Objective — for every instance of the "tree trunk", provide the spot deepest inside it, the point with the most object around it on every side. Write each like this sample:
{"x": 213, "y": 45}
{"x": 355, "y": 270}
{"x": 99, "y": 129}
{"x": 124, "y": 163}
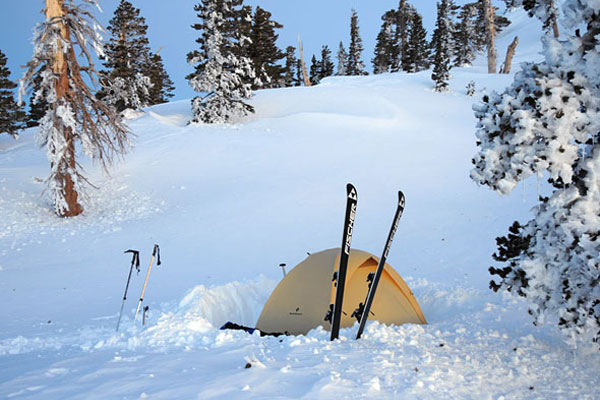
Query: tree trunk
{"x": 490, "y": 36}
{"x": 510, "y": 52}
{"x": 555, "y": 29}
{"x": 59, "y": 65}
{"x": 304, "y": 73}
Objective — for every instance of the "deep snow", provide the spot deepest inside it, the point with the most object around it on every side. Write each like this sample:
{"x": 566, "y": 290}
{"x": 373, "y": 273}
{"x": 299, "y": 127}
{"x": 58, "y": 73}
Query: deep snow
{"x": 227, "y": 204}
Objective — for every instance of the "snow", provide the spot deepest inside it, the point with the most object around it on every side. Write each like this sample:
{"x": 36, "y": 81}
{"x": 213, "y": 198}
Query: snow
{"x": 228, "y": 204}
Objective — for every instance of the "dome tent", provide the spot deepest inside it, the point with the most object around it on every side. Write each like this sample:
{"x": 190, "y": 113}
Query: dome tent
{"x": 301, "y": 300}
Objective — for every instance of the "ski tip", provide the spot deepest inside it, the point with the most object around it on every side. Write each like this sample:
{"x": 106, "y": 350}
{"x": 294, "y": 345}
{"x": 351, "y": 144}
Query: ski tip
{"x": 401, "y": 199}
{"x": 351, "y": 190}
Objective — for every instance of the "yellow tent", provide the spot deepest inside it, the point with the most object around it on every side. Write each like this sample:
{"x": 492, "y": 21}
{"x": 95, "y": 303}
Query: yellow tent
{"x": 301, "y": 300}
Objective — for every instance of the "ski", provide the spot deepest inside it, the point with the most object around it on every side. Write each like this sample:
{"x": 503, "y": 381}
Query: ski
{"x": 340, "y": 275}
{"x": 363, "y": 310}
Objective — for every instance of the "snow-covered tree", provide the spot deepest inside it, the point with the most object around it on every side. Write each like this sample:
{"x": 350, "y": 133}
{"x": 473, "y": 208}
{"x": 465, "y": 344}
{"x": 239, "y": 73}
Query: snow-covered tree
{"x": 342, "y": 61}
{"x": 468, "y": 38}
{"x": 417, "y": 52}
{"x": 74, "y": 114}
{"x": 443, "y": 44}
{"x": 12, "y": 116}
{"x": 289, "y": 70}
{"x": 126, "y": 81}
{"x": 355, "y": 65}
{"x": 548, "y": 122}
{"x": 221, "y": 74}
{"x": 263, "y": 50}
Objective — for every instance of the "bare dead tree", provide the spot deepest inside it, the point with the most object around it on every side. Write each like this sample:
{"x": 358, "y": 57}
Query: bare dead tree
{"x": 490, "y": 36}
{"x": 510, "y": 52}
{"x": 304, "y": 73}
{"x": 74, "y": 114}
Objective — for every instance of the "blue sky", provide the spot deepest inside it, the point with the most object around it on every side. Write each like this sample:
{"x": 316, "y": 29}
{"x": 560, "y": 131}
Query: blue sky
{"x": 317, "y": 22}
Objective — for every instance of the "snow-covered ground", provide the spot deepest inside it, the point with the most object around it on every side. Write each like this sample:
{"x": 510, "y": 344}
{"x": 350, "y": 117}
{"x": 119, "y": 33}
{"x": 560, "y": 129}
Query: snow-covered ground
{"x": 227, "y": 204}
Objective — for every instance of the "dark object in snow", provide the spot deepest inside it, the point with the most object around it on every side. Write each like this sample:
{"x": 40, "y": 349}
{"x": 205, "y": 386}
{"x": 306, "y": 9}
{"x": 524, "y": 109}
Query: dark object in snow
{"x": 351, "y": 201}
{"x": 248, "y": 365}
{"x": 144, "y": 314}
{"x": 237, "y": 327}
{"x": 135, "y": 261}
{"x": 155, "y": 254}
{"x": 364, "y": 313}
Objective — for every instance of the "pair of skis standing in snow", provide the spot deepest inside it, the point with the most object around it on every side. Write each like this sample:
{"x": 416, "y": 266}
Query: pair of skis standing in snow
{"x": 363, "y": 310}
{"x": 135, "y": 261}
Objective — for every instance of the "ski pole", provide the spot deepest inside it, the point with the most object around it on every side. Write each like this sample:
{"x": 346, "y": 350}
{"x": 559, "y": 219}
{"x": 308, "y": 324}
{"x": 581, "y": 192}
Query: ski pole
{"x": 135, "y": 260}
{"x": 282, "y": 266}
{"x": 155, "y": 253}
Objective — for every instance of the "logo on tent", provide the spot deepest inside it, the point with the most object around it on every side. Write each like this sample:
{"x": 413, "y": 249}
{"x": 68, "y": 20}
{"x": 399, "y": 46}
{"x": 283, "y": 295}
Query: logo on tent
{"x": 297, "y": 312}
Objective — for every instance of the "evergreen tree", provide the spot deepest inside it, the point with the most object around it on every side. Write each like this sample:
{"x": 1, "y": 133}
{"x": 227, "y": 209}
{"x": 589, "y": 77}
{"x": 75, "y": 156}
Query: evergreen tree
{"x": 125, "y": 83}
{"x": 12, "y": 116}
{"x": 263, "y": 50}
{"x": 315, "y": 71}
{"x": 342, "y": 57}
{"x": 470, "y": 35}
{"x": 37, "y": 103}
{"x": 443, "y": 45}
{"x": 355, "y": 65}
{"x": 73, "y": 115}
{"x": 417, "y": 52}
{"x": 162, "y": 85}
{"x": 299, "y": 74}
{"x": 400, "y": 57}
{"x": 291, "y": 62}
{"x": 547, "y": 122}
{"x": 221, "y": 74}
{"x": 326, "y": 66}
{"x": 386, "y": 46}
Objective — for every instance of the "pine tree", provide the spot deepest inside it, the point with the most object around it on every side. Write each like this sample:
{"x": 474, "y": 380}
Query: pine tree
{"x": 74, "y": 114}
{"x": 417, "y": 52}
{"x": 291, "y": 62}
{"x": 12, "y": 116}
{"x": 299, "y": 74}
{"x": 37, "y": 103}
{"x": 386, "y": 52}
{"x": 355, "y": 65}
{"x": 443, "y": 45}
{"x": 125, "y": 83}
{"x": 263, "y": 50}
{"x": 400, "y": 57}
{"x": 162, "y": 85}
{"x": 221, "y": 74}
{"x": 469, "y": 37}
{"x": 326, "y": 66}
{"x": 315, "y": 71}
{"x": 342, "y": 58}
{"x": 547, "y": 122}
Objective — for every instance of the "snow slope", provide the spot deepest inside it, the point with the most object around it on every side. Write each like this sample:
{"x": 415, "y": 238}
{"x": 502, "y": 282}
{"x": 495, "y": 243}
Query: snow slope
{"x": 227, "y": 204}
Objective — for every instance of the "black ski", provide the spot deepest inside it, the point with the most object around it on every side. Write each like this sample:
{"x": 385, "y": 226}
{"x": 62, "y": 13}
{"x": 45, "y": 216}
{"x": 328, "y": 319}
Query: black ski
{"x": 340, "y": 276}
{"x": 363, "y": 310}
